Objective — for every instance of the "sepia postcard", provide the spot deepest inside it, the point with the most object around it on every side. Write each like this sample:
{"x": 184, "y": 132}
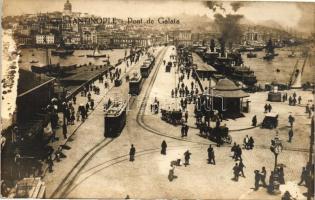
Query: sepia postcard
{"x": 170, "y": 99}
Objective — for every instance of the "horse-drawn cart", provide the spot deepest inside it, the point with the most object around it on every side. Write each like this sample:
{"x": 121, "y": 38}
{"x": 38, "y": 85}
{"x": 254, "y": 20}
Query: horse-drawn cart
{"x": 172, "y": 117}
{"x": 220, "y": 134}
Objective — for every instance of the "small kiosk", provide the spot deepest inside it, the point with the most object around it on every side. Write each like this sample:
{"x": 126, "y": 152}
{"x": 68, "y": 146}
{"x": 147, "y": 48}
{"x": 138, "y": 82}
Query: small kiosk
{"x": 274, "y": 95}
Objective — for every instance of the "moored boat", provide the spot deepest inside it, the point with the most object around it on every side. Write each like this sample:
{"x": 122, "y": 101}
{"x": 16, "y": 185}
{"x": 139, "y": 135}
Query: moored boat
{"x": 251, "y": 55}
{"x": 96, "y": 54}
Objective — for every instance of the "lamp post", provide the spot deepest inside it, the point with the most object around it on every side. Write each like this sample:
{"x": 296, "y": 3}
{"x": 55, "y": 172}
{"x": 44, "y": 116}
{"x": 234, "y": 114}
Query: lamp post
{"x": 276, "y": 148}
{"x": 310, "y": 189}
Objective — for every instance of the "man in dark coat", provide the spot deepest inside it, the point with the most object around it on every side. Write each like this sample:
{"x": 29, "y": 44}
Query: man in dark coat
{"x": 269, "y": 108}
{"x": 186, "y": 130}
{"x": 236, "y": 172}
{"x": 257, "y": 179}
{"x": 263, "y": 175}
{"x": 254, "y": 121}
{"x": 182, "y": 130}
{"x": 132, "y": 153}
{"x": 187, "y": 157}
{"x": 211, "y": 158}
{"x": 92, "y": 104}
{"x": 304, "y": 176}
{"x": 291, "y": 120}
{"x": 238, "y": 152}
{"x": 186, "y": 116}
{"x": 233, "y": 149}
{"x": 163, "y": 146}
{"x": 290, "y": 135}
{"x": 241, "y": 167}
{"x": 64, "y": 130}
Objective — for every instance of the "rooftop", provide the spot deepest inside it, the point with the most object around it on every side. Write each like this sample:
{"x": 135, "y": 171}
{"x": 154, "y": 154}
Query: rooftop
{"x": 201, "y": 66}
{"x": 227, "y": 88}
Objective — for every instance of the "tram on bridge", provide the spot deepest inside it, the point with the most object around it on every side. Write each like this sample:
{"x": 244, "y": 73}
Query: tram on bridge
{"x": 115, "y": 119}
{"x": 135, "y": 84}
{"x": 147, "y": 66}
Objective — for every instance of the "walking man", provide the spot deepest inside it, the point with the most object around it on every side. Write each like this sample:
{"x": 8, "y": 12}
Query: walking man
{"x": 257, "y": 178}
{"x": 132, "y": 153}
{"x": 236, "y": 172}
{"x": 211, "y": 155}
{"x": 241, "y": 167}
{"x": 186, "y": 116}
{"x": 233, "y": 149}
{"x": 269, "y": 108}
{"x": 182, "y": 130}
{"x": 290, "y": 135}
{"x": 187, "y": 157}
{"x": 186, "y": 130}
{"x": 64, "y": 130}
{"x": 254, "y": 121}
{"x": 163, "y": 146}
{"x": 238, "y": 153}
{"x": 291, "y": 120}
{"x": 263, "y": 175}
{"x": 303, "y": 176}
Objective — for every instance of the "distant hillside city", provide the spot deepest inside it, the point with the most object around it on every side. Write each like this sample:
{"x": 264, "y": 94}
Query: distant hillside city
{"x": 54, "y": 29}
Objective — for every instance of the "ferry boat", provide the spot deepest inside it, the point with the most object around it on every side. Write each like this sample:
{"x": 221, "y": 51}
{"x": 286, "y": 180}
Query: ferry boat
{"x": 251, "y": 55}
{"x": 62, "y": 52}
{"x": 270, "y": 53}
{"x": 53, "y": 69}
{"x": 115, "y": 119}
{"x": 244, "y": 74}
{"x": 96, "y": 54}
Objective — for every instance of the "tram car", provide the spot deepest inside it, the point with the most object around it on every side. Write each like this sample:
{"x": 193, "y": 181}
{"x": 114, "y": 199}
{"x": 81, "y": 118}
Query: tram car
{"x": 135, "y": 84}
{"x": 147, "y": 66}
{"x": 145, "y": 70}
{"x": 168, "y": 67}
{"x": 115, "y": 119}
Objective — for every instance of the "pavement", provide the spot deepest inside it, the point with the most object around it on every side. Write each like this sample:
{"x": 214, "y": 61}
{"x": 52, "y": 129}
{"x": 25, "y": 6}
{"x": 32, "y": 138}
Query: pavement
{"x": 98, "y": 167}
{"x": 96, "y": 115}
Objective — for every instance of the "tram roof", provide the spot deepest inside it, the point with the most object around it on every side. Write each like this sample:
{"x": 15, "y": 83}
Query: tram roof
{"x": 135, "y": 77}
{"x": 115, "y": 109}
{"x": 202, "y": 66}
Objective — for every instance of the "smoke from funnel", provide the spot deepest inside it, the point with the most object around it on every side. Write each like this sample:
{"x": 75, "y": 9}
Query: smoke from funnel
{"x": 213, "y": 5}
{"x": 236, "y": 5}
{"x": 229, "y": 27}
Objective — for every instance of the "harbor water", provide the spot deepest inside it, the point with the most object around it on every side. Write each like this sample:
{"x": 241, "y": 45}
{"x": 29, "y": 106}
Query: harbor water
{"x": 281, "y": 67}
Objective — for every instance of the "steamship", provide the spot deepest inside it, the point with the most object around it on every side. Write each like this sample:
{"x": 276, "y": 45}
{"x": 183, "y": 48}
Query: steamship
{"x": 229, "y": 64}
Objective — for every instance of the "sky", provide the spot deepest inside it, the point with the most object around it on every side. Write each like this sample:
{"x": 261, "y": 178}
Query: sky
{"x": 288, "y": 14}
